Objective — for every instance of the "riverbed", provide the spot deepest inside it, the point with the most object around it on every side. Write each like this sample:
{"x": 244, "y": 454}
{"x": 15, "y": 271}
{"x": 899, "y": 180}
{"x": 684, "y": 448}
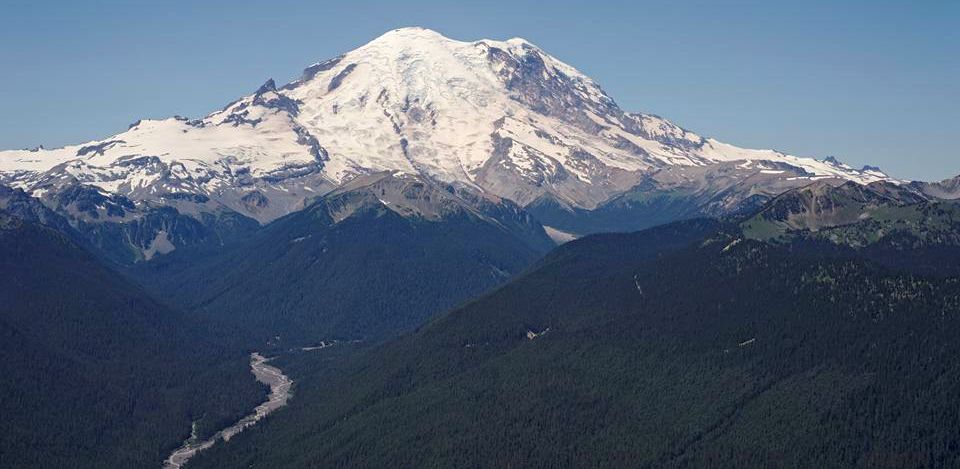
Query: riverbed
{"x": 279, "y": 395}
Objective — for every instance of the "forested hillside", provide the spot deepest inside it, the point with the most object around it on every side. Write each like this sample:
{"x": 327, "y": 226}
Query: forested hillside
{"x": 96, "y": 373}
{"x": 681, "y": 346}
{"x": 353, "y": 267}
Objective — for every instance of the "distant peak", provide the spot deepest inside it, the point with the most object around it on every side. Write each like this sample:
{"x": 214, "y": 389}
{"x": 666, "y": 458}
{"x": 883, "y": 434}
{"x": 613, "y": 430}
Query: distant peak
{"x": 519, "y": 41}
{"x": 408, "y": 33}
{"x": 832, "y": 160}
{"x": 413, "y": 30}
{"x": 415, "y": 37}
{"x": 268, "y": 86}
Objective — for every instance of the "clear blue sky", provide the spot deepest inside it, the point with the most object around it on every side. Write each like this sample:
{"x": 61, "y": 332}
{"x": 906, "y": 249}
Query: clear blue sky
{"x": 871, "y": 82}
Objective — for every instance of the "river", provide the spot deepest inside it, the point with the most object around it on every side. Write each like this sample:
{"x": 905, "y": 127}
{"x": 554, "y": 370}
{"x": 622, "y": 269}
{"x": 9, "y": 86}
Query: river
{"x": 279, "y": 394}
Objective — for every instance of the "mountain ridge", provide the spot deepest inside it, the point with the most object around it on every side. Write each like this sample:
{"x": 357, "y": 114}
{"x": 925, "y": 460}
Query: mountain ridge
{"x": 501, "y": 116}
{"x": 367, "y": 261}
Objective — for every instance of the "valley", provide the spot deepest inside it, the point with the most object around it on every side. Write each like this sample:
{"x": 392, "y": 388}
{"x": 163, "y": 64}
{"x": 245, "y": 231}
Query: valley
{"x": 781, "y": 344}
{"x": 433, "y": 252}
{"x": 280, "y": 386}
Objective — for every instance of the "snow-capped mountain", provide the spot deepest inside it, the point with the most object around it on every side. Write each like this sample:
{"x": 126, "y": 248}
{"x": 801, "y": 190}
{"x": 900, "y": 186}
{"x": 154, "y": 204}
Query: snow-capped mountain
{"x": 503, "y": 117}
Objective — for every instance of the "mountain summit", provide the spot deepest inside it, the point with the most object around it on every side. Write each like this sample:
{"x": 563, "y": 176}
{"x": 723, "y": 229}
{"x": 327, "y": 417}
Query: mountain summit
{"x": 503, "y": 118}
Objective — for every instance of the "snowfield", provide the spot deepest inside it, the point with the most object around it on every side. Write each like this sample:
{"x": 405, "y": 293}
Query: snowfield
{"x": 502, "y": 117}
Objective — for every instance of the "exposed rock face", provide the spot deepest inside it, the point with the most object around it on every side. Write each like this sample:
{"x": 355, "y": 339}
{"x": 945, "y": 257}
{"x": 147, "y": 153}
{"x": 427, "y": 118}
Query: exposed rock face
{"x": 858, "y": 215}
{"x": 674, "y": 193}
{"x": 947, "y": 189}
{"x": 415, "y": 197}
{"x": 822, "y": 205}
